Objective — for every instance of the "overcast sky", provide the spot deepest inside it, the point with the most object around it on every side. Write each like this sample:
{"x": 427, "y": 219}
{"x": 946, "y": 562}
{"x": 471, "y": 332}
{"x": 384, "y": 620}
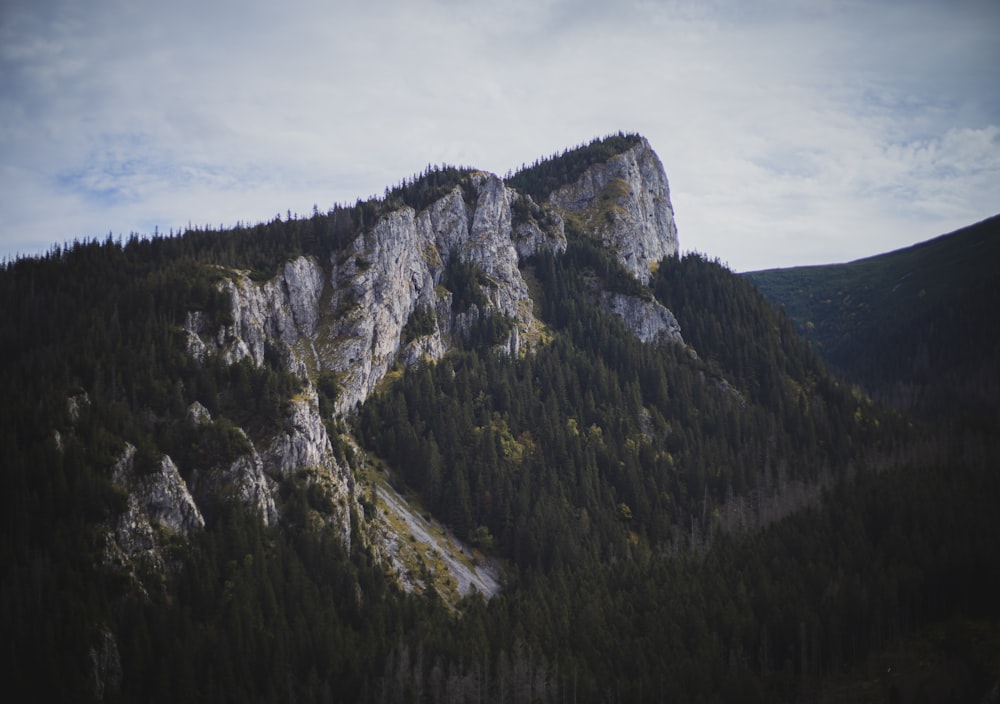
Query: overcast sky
{"x": 792, "y": 132}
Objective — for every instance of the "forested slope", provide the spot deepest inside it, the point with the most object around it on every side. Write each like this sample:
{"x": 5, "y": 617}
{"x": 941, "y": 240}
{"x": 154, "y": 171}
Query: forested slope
{"x": 590, "y": 461}
{"x": 716, "y": 519}
{"x": 915, "y": 326}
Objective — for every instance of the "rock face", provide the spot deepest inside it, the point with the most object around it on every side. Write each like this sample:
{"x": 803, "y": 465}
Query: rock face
{"x": 649, "y": 320}
{"x": 156, "y": 501}
{"x": 351, "y": 319}
{"x": 627, "y": 201}
{"x": 160, "y": 497}
{"x": 306, "y": 446}
{"x": 399, "y": 266}
{"x": 243, "y": 479}
{"x": 383, "y": 301}
{"x": 278, "y": 312}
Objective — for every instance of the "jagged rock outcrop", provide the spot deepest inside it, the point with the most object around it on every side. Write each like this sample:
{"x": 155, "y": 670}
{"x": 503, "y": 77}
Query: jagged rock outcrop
{"x": 647, "y": 318}
{"x": 159, "y": 497}
{"x": 388, "y": 274}
{"x": 243, "y": 479}
{"x": 197, "y": 414}
{"x": 155, "y": 499}
{"x": 536, "y": 229}
{"x": 399, "y": 266}
{"x": 246, "y": 479}
{"x": 391, "y": 271}
{"x": 626, "y": 201}
{"x": 306, "y": 445}
{"x": 283, "y": 310}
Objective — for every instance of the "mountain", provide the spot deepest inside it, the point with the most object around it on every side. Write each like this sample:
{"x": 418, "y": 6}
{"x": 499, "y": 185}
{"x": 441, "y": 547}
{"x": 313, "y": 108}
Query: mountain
{"x": 480, "y": 439}
{"x": 914, "y": 326}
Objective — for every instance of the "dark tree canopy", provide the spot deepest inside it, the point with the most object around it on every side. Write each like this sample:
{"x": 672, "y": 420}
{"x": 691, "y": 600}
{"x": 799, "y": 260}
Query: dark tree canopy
{"x": 717, "y": 521}
{"x": 546, "y": 175}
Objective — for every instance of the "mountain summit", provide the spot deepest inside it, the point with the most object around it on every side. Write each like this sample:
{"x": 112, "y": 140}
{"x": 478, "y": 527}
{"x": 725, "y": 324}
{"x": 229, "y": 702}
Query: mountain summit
{"x": 421, "y": 276}
{"x": 481, "y": 439}
{"x": 358, "y": 296}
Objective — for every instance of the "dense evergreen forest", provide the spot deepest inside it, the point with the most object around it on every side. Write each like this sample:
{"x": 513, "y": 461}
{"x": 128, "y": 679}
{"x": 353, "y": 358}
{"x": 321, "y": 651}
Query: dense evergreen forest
{"x": 721, "y": 520}
{"x": 914, "y": 327}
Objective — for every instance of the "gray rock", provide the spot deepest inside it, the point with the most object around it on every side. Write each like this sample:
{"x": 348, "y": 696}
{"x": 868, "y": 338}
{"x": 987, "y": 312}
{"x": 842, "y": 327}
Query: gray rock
{"x": 399, "y": 265}
{"x": 307, "y": 446}
{"x": 280, "y": 311}
{"x": 157, "y": 500}
{"x": 648, "y": 319}
{"x": 252, "y": 487}
{"x": 197, "y": 414}
{"x": 243, "y": 480}
{"x": 165, "y": 498}
{"x": 627, "y": 201}
{"x": 349, "y": 316}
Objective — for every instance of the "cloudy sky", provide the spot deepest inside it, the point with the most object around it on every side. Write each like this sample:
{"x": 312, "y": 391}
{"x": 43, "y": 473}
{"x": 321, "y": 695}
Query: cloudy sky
{"x": 792, "y": 131}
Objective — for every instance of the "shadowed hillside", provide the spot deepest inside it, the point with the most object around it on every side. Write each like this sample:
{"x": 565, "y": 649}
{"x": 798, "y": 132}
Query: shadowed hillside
{"x": 916, "y": 327}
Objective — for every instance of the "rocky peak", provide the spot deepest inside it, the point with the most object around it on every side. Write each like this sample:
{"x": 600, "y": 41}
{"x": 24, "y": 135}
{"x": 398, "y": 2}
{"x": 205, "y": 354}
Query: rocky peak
{"x": 396, "y": 270}
{"x": 383, "y": 301}
{"x": 626, "y": 202}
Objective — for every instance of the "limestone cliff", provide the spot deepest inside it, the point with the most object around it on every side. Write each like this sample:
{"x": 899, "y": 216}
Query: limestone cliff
{"x": 626, "y": 202}
{"x": 305, "y": 448}
{"x": 243, "y": 479}
{"x": 388, "y": 299}
{"x": 159, "y": 497}
{"x": 398, "y": 268}
{"x": 280, "y": 311}
{"x": 157, "y": 501}
{"x": 648, "y": 319}
{"x": 349, "y": 316}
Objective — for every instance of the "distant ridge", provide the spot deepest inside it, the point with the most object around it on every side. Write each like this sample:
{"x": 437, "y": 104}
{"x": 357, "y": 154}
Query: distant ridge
{"x": 892, "y": 322}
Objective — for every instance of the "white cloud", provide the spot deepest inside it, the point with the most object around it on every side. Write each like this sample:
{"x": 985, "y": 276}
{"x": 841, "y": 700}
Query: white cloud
{"x": 790, "y": 134}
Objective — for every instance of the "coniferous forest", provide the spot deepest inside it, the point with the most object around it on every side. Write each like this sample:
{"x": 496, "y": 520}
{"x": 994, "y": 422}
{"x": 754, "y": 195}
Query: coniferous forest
{"x": 720, "y": 520}
{"x": 911, "y": 326}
